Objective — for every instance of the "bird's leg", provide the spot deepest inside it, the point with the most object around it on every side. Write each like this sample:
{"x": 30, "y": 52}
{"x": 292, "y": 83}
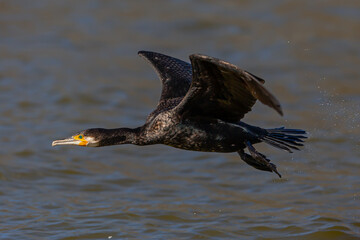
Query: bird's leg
{"x": 257, "y": 160}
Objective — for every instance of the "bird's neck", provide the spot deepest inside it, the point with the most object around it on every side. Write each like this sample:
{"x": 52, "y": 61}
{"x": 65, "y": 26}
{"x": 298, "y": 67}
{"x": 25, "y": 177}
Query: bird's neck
{"x": 124, "y": 136}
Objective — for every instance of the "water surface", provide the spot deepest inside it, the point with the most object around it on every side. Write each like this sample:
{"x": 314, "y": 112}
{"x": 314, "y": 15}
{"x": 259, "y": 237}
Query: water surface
{"x": 71, "y": 65}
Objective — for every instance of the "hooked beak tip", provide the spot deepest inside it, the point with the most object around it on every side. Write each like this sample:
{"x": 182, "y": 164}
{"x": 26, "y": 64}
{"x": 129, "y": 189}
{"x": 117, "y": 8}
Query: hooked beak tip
{"x": 59, "y": 142}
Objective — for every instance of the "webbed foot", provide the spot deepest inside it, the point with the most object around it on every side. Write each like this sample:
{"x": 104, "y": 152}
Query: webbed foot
{"x": 257, "y": 160}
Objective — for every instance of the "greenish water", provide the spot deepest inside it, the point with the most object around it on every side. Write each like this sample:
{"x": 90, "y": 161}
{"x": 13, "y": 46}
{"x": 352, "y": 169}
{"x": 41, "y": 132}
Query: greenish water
{"x": 69, "y": 65}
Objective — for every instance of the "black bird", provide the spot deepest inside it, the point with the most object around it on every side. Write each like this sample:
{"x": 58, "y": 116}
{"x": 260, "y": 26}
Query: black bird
{"x": 200, "y": 109}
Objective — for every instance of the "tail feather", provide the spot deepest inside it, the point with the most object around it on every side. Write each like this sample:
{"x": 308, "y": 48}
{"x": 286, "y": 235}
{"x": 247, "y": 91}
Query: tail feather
{"x": 292, "y": 141}
{"x": 287, "y": 130}
{"x": 285, "y": 139}
{"x": 277, "y": 145}
{"x": 282, "y": 143}
{"x": 298, "y": 138}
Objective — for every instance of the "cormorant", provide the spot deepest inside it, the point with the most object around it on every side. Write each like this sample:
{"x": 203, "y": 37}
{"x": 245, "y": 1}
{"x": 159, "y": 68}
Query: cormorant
{"x": 200, "y": 109}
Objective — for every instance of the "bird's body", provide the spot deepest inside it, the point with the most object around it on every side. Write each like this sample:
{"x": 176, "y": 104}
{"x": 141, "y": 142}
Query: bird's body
{"x": 200, "y": 109}
{"x": 199, "y": 134}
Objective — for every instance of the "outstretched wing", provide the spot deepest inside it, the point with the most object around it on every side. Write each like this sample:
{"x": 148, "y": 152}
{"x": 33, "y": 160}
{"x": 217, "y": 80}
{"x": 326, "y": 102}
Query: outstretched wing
{"x": 174, "y": 74}
{"x": 222, "y": 90}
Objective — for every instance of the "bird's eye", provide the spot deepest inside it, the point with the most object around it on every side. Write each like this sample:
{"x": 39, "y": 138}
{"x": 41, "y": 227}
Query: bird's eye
{"x": 80, "y": 137}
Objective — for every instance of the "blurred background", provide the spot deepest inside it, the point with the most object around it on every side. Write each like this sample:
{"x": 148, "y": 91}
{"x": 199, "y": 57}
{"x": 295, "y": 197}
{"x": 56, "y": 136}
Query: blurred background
{"x": 70, "y": 65}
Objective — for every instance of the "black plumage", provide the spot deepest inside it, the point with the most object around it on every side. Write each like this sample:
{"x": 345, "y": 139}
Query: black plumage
{"x": 200, "y": 109}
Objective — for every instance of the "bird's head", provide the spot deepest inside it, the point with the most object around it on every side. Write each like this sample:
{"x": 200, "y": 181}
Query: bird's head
{"x": 98, "y": 137}
{"x": 86, "y": 138}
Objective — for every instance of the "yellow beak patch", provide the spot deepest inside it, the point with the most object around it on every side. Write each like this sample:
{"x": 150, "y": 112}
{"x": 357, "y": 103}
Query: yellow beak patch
{"x": 80, "y": 138}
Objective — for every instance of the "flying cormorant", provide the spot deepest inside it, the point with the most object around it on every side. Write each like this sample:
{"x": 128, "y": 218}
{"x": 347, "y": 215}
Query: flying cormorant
{"x": 200, "y": 109}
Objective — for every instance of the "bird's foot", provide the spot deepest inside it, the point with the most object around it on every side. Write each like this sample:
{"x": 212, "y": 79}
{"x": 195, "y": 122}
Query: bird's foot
{"x": 258, "y": 160}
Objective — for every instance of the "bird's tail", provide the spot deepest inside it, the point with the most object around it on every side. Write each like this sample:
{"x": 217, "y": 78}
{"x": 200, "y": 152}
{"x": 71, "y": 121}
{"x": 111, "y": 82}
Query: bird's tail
{"x": 286, "y": 139}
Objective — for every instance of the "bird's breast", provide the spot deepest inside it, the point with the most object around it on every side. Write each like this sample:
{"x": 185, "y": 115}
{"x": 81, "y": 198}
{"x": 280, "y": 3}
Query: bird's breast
{"x": 207, "y": 136}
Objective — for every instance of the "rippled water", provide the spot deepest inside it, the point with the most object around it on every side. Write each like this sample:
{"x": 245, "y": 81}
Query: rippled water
{"x": 70, "y": 65}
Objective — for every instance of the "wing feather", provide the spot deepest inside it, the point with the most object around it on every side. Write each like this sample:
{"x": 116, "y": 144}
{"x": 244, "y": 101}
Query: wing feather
{"x": 222, "y": 90}
{"x": 175, "y": 74}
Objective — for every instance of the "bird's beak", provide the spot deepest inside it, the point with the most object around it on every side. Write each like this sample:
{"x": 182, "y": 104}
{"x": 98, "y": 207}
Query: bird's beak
{"x": 70, "y": 141}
